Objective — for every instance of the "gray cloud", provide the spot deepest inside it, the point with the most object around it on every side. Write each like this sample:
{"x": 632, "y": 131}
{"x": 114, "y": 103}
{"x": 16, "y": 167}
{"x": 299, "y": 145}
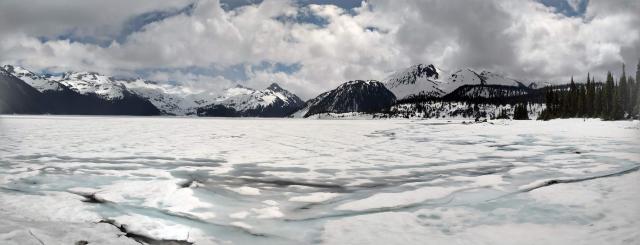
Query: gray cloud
{"x": 89, "y": 18}
{"x": 522, "y": 38}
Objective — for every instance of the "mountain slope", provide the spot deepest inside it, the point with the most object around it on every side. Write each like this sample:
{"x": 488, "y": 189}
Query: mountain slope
{"x": 79, "y": 93}
{"x": 415, "y": 80}
{"x": 353, "y": 96}
{"x": 426, "y": 81}
{"x": 41, "y": 83}
{"x": 93, "y": 93}
{"x": 18, "y": 97}
{"x": 168, "y": 98}
{"x": 93, "y": 83}
{"x": 274, "y": 101}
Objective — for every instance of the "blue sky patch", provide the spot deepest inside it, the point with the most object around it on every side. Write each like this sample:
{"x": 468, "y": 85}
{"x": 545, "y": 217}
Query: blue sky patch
{"x": 570, "y": 8}
{"x": 345, "y": 4}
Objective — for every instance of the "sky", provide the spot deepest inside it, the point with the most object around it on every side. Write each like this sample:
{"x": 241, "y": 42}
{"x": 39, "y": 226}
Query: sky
{"x": 312, "y": 46}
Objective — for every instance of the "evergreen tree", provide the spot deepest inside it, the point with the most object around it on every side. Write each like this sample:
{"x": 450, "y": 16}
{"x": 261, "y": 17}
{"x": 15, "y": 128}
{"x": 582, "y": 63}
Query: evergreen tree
{"x": 600, "y": 101}
{"x": 637, "y": 106}
{"x": 609, "y": 99}
{"x": 636, "y": 94}
{"x": 622, "y": 94}
{"x": 581, "y": 101}
{"x": 572, "y": 102}
{"x": 589, "y": 98}
{"x": 520, "y": 112}
{"x": 631, "y": 85}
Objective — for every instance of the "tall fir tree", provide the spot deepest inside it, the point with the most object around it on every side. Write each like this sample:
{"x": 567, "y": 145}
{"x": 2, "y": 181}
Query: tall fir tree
{"x": 572, "y": 100}
{"x": 637, "y": 92}
{"x": 589, "y": 98}
{"x": 622, "y": 94}
{"x": 597, "y": 98}
{"x": 608, "y": 98}
{"x": 631, "y": 83}
{"x": 631, "y": 87}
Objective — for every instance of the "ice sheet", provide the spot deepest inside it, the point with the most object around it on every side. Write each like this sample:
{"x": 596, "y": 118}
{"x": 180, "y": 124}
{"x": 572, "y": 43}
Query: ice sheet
{"x": 118, "y": 180}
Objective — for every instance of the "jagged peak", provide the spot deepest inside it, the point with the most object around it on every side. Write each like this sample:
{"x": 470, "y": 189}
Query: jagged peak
{"x": 426, "y": 70}
{"x": 413, "y": 73}
{"x": 13, "y": 69}
{"x": 275, "y": 87}
{"x": 240, "y": 86}
{"x": 3, "y": 71}
{"x": 361, "y": 82}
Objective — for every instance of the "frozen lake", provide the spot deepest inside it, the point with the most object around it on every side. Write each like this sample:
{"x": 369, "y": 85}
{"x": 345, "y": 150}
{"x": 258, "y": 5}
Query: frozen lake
{"x": 120, "y": 180}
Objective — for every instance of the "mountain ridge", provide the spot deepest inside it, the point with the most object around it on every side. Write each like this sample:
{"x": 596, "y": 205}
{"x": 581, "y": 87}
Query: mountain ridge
{"x": 167, "y": 99}
{"x": 414, "y": 84}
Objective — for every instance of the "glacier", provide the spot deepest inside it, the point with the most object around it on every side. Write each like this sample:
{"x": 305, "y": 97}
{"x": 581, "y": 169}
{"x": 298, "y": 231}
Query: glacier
{"x": 174, "y": 180}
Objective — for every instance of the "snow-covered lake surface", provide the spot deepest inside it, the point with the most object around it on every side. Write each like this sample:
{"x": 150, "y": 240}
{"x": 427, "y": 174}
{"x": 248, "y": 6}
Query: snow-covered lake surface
{"x": 288, "y": 181}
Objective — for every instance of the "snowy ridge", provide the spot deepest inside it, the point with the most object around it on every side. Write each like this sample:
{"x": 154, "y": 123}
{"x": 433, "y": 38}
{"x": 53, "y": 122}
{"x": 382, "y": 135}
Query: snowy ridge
{"x": 179, "y": 100}
{"x": 41, "y": 83}
{"x": 242, "y": 98}
{"x": 415, "y": 80}
{"x": 490, "y": 78}
{"x": 352, "y": 96}
{"x": 243, "y": 101}
{"x": 93, "y": 83}
{"x": 170, "y": 99}
{"x": 429, "y": 81}
{"x": 303, "y": 112}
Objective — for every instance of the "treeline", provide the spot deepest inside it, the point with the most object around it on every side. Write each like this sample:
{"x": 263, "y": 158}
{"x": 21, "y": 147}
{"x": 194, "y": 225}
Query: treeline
{"x": 611, "y": 100}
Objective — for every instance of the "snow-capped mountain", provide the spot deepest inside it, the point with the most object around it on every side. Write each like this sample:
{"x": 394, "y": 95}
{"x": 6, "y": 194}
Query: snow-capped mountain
{"x": 80, "y": 93}
{"x": 415, "y": 80}
{"x": 427, "y": 81}
{"x": 93, "y": 83}
{"x": 174, "y": 99}
{"x": 274, "y": 101}
{"x": 16, "y": 96}
{"x": 39, "y": 82}
{"x": 93, "y": 93}
{"x": 170, "y": 99}
{"x": 492, "y": 78}
{"x": 353, "y": 96}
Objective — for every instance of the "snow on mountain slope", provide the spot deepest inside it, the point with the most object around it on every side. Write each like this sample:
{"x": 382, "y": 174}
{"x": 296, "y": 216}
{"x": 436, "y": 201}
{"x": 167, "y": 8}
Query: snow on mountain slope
{"x": 41, "y": 83}
{"x": 302, "y": 112}
{"x": 490, "y": 78}
{"x": 242, "y": 98}
{"x": 17, "y": 96}
{"x": 273, "y": 101}
{"x": 168, "y": 98}
{"x": 353, "y": 96}
{"x": 429, "y": 81}
{"x": 415, "y": 80}
{"x": 93, "y": 83}
{"x": 179, "y": 100}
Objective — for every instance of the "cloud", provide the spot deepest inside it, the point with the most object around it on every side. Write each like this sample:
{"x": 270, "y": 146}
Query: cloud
{"x": 84, "y": 18}
{"x": 310, "y": 48}
{"x": 575, "y": 4}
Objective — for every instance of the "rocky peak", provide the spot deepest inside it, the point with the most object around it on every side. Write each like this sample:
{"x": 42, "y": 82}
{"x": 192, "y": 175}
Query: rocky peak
{"x": 275, "y": 87}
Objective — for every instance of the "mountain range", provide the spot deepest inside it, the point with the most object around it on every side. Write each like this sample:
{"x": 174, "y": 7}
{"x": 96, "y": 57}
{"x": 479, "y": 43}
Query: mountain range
{"x": 89, "y": 93}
